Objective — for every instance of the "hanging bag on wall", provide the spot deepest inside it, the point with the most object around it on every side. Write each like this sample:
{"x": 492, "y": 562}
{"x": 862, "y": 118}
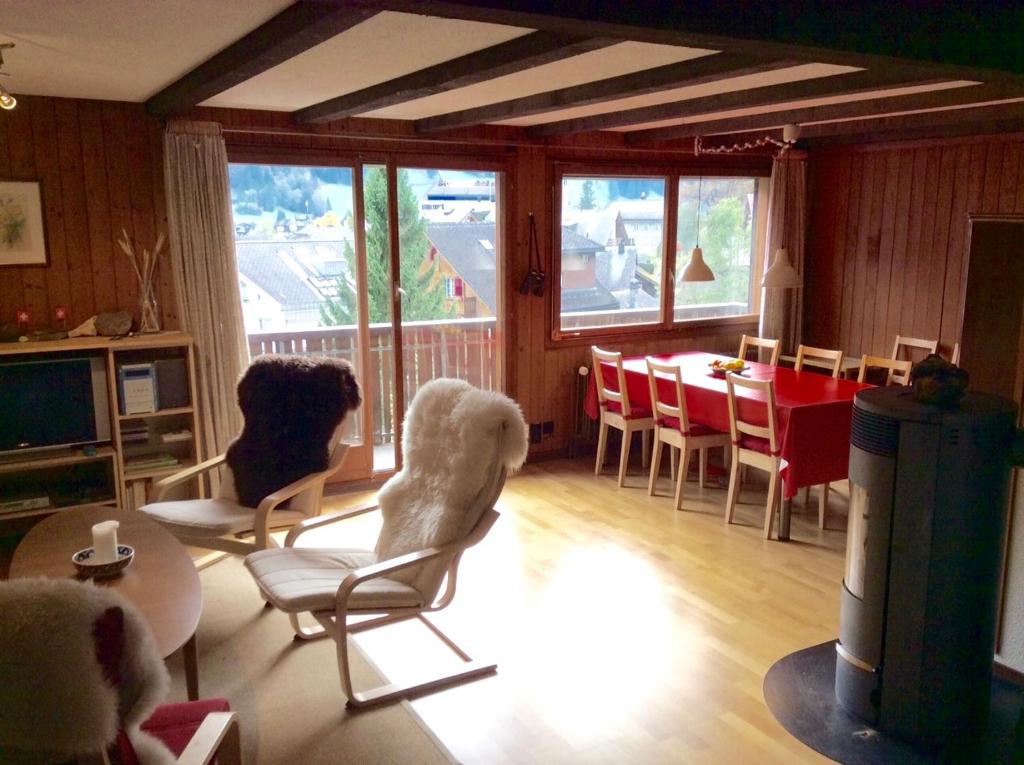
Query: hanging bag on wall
{"x": 535, "y": 277}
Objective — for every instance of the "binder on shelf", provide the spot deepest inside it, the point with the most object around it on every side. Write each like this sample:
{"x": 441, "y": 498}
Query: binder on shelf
{"x": 172, "y": 383}
{"x": 138, "y": 388}
{"x": 138, "y": 494}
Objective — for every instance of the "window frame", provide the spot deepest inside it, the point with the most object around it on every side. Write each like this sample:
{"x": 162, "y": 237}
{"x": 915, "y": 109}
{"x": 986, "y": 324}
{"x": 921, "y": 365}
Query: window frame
{"x": 671, "y": 175}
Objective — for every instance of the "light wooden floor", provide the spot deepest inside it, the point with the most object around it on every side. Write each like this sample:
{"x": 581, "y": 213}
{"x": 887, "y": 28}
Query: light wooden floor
{"x": 625, "y": 632}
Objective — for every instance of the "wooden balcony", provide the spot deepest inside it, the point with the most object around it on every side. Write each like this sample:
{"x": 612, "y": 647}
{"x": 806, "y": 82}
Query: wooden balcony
{"x": 461, "y": 348}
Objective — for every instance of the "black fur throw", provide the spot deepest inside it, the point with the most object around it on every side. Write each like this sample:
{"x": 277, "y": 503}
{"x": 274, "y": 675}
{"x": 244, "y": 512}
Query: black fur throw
{"x": 291, "y": 405}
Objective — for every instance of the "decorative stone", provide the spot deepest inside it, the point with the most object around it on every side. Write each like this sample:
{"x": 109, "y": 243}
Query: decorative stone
{"x": 111, "y": 324}
{"x": 86, "y": 329}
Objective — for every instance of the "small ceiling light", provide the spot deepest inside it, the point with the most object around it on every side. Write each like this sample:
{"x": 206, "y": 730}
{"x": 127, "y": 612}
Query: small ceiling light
{"x": 7, "y": 101}
{"x": 697, "y": 270}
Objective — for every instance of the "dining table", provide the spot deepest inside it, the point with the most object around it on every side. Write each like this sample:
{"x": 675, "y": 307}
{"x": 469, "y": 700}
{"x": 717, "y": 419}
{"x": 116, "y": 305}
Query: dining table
{"x": 813, "y": 410}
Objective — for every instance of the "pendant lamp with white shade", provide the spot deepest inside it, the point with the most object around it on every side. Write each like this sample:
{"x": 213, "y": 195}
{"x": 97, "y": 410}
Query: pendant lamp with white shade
{"x": 697, "y": 270}
{"x": 781, "y": 274}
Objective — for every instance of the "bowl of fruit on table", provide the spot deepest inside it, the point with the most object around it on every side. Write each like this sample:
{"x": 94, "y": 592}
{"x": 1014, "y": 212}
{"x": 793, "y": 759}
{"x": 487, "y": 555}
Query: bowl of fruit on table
{"x": 719, "y": 367}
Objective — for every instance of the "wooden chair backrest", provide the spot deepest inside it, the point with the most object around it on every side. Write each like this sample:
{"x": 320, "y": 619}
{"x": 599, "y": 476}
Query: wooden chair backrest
{"x": 929, "y": 346}
{"x": 737, "y": 425}
{"x": 661, "y": 407}
{"x": 898, "y": 369}
{"x": 819, "y": 354}
{"x": 749, "y": 341}
{"x": 604, "y": 393}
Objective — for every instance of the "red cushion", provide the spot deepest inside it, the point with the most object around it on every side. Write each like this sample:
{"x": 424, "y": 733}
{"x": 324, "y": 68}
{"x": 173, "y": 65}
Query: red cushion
{"x": 174, "y": 725}
{"x": 635, "y": 412}
{"x": 756, "y": 444}
{"x": 696, "y": 428}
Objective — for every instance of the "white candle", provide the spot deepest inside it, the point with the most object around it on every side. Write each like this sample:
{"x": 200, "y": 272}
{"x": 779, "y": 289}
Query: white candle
{"x": 104, "y": 541}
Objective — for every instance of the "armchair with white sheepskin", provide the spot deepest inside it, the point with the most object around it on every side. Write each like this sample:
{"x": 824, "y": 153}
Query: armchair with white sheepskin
{"x": 458, "y": 445}
{"x": 81, "y": 680}
{"x": 273, "y": 474}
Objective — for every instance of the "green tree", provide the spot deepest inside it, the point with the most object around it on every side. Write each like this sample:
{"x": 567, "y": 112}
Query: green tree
{"x": 725, "y": 238}
{"x": 344, "y": 308}
{"x": 422, "y": 300}
{"x": 587, "y": 198}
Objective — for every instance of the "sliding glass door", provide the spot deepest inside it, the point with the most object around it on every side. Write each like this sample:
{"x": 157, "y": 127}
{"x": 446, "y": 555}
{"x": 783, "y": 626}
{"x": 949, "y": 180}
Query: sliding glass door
{"x": 396, "y": 269}
{"x": 301, "y": 272}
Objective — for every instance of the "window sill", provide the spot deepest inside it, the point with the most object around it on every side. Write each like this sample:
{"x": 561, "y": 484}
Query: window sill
{"x": 690, "y": 328}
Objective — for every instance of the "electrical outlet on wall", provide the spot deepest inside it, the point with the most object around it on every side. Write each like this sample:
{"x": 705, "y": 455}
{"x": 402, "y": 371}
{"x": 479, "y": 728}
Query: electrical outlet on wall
{"x": 535, "y": 432}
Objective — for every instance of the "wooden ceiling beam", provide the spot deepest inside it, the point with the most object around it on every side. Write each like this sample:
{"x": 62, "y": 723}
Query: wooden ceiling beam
{"x": 533, "y": 49}
{"x": 835, "y": 85}
{"x": 294, "y": 30}
{"x": 699, "y": 71}
{"x": 945, "y": 122}
{"x": 955, "y": 40}
{"x": 872, "y": 106}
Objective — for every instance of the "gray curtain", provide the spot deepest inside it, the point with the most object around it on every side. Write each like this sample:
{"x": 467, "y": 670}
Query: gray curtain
{"x": 202, "y": 247}
{"x": 782, "y": 309}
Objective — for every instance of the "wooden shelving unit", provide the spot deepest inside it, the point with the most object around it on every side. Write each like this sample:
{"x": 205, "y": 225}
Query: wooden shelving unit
{"x": 128, "y": 488}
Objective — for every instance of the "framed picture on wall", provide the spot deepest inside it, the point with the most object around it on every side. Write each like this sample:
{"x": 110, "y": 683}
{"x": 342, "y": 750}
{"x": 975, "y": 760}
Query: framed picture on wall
{"x": 22, "y": 235}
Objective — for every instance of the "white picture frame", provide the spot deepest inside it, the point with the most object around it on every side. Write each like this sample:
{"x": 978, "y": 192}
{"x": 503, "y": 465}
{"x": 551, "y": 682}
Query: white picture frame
{"x": 22, "y": 233}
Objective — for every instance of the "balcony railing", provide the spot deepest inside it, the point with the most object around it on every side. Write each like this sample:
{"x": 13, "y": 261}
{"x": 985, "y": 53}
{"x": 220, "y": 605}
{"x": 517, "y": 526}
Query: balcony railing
{"x": 462, "y": 348}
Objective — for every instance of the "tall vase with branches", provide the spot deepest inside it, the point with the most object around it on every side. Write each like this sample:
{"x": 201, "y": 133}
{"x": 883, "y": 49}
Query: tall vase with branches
{"x": 145, "y": 268}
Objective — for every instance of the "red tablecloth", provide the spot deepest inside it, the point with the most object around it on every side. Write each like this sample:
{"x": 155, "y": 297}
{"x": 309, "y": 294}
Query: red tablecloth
{"x": 814, "y": 411}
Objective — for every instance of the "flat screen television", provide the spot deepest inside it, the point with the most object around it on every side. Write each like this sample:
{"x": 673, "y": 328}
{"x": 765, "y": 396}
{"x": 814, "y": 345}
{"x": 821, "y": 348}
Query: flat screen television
{"x": 53, "y": 403}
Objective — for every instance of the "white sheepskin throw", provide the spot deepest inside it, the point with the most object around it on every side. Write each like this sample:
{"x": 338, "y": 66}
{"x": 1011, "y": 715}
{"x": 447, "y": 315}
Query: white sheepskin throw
{"x": 56, "y": 701}
{"x": 456, "y": 439}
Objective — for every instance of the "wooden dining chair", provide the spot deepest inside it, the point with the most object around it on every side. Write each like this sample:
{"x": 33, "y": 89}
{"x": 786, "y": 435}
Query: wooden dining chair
{"x": 819, "y": 357}
{"x": 828, "y": 359}
{"x": 672, "y": 426}
{"x": 908, "y": 344}
{"x": 753, "y": 444}
{"x": 618, "y": 412}
{"x": 898, "y": 371}
{"x": 773, "y": 346}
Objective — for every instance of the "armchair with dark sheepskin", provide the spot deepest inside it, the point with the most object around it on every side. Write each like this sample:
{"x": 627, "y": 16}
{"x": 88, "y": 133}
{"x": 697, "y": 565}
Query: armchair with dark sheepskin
{"x": 81, "y": 680}
{"x": 273, "y": 474}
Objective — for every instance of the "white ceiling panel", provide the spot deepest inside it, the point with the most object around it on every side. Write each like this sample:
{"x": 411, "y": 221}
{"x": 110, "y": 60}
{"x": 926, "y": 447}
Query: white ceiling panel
{"x": 124, "y": 50}
{"x": 382, "y": 48}
{"x": 777, "y": 77}
{"x": 615, "y": 60}
{"x": 806, "y": 103}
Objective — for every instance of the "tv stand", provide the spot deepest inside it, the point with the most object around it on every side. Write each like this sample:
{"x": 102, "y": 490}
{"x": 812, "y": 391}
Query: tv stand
{"x": 144, "y": 446}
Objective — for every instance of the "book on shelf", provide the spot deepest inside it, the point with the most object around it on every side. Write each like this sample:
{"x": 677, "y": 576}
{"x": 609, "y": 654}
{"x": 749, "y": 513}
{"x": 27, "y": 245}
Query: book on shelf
{"x": 150, "y": 462}
{"x": 171, "y": 436}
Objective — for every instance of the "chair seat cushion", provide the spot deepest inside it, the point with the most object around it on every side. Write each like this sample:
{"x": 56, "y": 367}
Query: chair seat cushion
{"x": 205, "y": 518}
{"x": 174, "y": 725}
{"x": 696, "y": 428}
{"x": 635, "y": 412}
{"x": 297, "y": 579}
{"x": 756, "y": 444}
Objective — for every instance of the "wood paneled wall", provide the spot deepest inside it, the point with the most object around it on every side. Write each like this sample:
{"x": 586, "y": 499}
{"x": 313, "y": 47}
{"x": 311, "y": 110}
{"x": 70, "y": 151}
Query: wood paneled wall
{"x": 101, "y": 168}
{"x": 540, "y": 374}
{"x": 887, "y": 236}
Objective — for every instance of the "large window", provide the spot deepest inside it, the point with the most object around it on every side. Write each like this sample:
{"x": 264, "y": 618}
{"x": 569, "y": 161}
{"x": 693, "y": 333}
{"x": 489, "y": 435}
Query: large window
{"x": 614, "y": 271}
